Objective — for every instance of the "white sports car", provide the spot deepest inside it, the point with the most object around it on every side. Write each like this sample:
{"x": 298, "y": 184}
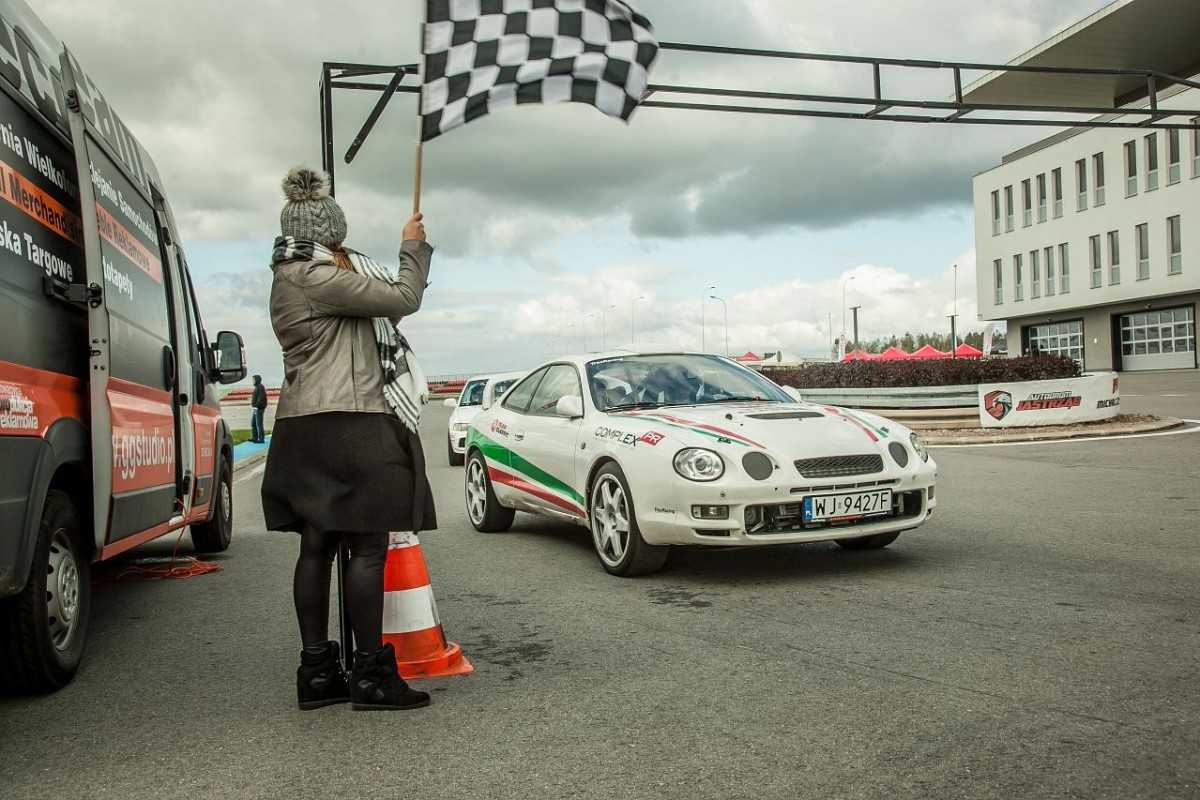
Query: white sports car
{"x": 479, "y": 393}
{"x": 653, "y": 449}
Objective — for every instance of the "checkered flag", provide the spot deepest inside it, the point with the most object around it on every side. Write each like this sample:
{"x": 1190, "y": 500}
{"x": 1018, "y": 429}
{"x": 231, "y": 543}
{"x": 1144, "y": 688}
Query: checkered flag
{"x": 483, "y": 55}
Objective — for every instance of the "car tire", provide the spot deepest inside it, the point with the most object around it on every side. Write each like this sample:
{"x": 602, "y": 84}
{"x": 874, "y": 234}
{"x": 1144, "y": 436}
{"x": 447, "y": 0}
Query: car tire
{"x": 43, "y": 628}
{"x": 455, "y": 459}
{"x": 869, "y": 542}
{"x": 615, "y": 533}
{"x": 483, "y": 509}
{"x": 216, "y": 534}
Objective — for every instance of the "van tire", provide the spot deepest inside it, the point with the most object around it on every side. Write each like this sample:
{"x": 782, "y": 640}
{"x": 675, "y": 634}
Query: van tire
{"x": 215, "y": 535}
{"x": 43, "y": 628}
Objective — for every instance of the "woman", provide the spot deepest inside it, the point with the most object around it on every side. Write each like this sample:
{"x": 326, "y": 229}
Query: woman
{"x": 344, "y": 466}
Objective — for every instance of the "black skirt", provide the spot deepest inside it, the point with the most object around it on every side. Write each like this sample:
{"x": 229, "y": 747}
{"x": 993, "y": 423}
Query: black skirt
{"x": 346, "y": 472}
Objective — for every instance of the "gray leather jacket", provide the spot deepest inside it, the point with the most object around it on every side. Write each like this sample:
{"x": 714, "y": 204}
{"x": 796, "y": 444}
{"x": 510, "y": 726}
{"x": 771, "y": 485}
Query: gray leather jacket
{"x": 322, "y": 319}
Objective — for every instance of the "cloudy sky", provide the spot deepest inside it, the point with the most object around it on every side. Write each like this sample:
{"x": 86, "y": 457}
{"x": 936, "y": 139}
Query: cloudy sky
{"x": 557, "y": 228}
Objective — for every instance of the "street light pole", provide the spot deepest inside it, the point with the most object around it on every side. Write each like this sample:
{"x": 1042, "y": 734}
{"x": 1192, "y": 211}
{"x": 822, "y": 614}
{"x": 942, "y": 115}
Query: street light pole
{"x": 725, "y": 309}
{"x": 604, "y": 328}
{"x": 844, "y": 302}
{"x": 702, "y": 316}
{"x": 854, "y": 310}
{"x": 632, "y": 304}
{"x": 954, "y": 318}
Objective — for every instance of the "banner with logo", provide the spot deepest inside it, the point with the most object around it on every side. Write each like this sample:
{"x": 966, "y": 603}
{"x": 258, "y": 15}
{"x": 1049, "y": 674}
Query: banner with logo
{"x": 1057, "y": 402}
{"x": 988, "y": 333}
{"x": 841, "y": 347}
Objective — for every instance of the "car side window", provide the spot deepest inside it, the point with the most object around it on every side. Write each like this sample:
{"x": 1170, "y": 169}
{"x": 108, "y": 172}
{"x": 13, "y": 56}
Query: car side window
{"x": 518, "y": 398}
{"x": 561, "y": 379}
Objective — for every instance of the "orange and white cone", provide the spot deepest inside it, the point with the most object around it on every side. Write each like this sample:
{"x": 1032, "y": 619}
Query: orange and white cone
{"x": 410, "y": 617}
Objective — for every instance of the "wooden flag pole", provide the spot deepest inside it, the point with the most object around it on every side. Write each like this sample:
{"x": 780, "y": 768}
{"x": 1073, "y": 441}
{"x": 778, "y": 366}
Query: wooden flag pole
{"x": 417, "y": 180}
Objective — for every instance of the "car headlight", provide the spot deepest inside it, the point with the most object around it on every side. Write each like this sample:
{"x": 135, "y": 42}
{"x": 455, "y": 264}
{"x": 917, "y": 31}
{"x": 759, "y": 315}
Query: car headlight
{"x": 919, "y": 446}
{"x": 460, "y": 426}
{"x": 697, "y": 464}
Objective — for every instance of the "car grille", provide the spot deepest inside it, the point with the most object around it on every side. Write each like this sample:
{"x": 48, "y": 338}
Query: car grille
{"x": 839, "y": 466}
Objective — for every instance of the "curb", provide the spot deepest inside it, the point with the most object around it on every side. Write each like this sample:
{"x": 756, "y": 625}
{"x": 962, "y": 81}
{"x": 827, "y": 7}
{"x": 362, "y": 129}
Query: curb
{"x": 1082, "y": 431}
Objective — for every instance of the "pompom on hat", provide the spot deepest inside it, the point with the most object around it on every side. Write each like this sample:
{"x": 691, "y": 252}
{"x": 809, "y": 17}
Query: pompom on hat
{"x": 310, "y": 212}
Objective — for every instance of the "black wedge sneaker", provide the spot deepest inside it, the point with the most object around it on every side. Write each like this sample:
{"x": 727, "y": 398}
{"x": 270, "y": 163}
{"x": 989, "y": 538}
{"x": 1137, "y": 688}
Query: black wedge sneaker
{"x": 320, "y": 680}
{"x": 375, "y": 685}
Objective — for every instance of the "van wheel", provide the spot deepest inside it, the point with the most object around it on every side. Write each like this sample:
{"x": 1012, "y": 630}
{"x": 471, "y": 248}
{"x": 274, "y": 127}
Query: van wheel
{"x": 43, "y": 629}
{"x": 215, "y": 535}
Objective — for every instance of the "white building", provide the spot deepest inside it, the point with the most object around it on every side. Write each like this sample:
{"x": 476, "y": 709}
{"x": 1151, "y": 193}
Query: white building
{"x": 1088, "y": 242}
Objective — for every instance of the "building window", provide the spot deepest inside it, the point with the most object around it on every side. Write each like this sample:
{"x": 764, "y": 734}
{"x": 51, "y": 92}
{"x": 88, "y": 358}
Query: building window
{"x": 1169, "y": 330}
{"x": 1195, "y": 147}
{"x": 1097, "y": 268}
{"x": 1152, "y": 162}
{"x": 1174, "y": 247}
{"x": 1026, "y": 203}
{"x": 998, "y": 280}
{"x": 1173, "y": 170}
{"x": 1131, "y": 168}
{"x": 1064, "y": 267}
{"x": 1143, "y": 251}
{"x": 1114, "y": 258}
{"x": 1018, "y": 279}
{"x": 1081, "y": 185}
{"x": 996, "y": 213}
{"x": 1008, "y": 209}
{"x": 1056, "y": 187}
{"x": 1057, "y": 339}
{"x": 1049, "y": 254}
{"x": 1098, "y": 177}
{"x": 1035, "y": 274}
{"x": 1041, "y": 197}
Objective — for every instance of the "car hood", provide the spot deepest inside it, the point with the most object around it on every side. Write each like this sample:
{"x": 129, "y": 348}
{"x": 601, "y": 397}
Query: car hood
{"x": 791, "y": 428}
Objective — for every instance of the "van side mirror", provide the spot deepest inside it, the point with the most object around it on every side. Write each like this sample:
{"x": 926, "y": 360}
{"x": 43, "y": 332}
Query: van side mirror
{"x": 229, "y": 356}
{"x": 570, "y": 406}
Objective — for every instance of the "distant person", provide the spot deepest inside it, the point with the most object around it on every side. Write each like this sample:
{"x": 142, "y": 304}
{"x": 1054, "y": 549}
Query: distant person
{"x": 258, "y": 407}
{"x": 344, "y": 466}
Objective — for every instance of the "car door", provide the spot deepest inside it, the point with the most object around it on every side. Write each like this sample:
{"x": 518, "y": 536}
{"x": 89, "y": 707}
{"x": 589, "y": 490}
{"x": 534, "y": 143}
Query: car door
{"x": 542, "y": 459}
{"x": 494, "y": 439}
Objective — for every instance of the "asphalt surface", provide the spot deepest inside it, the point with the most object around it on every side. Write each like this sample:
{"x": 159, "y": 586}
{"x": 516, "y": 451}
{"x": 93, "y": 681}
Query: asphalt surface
{"x": 1037, "y": 638}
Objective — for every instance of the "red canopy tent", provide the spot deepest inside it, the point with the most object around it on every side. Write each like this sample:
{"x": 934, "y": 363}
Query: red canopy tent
{"x": 863, "y": 355}
{"x": 748, "y": 356}
{"x": 965, "y": 350}
{"x": 892, "y": 354}
{"x": 929, "y": 351}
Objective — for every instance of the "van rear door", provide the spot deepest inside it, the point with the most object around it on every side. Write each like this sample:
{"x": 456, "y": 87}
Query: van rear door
{"x": 132, "y": 369}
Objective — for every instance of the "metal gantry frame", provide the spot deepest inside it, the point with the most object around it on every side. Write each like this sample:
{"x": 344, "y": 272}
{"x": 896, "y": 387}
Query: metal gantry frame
{"x": 868, "y": 106}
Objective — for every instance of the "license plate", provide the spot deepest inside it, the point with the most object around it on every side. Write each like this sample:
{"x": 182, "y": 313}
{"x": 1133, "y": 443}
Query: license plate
{"x": 818, "y": 508}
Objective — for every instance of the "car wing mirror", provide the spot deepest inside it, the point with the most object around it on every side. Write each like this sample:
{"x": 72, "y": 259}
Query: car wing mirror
{"x": 229, "y": 358}
{"x": 450, "y": 402}
{"x": 793, "y": 392}
{"x": 570, "y": 406}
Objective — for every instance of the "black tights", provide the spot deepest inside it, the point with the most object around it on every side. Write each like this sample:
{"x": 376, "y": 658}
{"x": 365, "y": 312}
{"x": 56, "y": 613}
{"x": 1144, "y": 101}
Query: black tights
{"x": 362, "y": 591}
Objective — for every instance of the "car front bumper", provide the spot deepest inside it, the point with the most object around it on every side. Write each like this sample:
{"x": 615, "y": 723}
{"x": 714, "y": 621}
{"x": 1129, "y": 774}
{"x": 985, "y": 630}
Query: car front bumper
{"x": 775, "y": 510}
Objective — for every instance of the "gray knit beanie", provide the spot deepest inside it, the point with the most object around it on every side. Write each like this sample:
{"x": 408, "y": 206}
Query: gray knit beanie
{"x": 310, "y": 213}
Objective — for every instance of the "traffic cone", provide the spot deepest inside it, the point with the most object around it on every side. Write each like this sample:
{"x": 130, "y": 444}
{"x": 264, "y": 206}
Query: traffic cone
{"x": 410, "y": 617}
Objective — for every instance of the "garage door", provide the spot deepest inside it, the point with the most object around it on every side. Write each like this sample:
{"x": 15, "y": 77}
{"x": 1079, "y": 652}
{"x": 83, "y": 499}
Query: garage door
{"x": 1163, "y": 339}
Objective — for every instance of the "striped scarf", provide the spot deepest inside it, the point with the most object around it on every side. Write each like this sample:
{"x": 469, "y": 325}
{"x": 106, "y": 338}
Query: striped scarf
{"x": 404, "y": 384}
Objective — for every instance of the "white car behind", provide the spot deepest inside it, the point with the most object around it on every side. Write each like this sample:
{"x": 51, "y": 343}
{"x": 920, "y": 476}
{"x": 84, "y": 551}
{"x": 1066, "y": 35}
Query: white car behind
{"x": 479, "y": 393}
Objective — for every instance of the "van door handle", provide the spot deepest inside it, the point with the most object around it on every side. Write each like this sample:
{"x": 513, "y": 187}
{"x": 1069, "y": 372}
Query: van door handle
{"x": 169, "y": 366}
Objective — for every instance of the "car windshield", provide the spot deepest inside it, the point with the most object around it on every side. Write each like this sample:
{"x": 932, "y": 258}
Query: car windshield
{"x": 649, "y": 381}
{"x": 472, "y": 394}
{"x": 502, "y": 386}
